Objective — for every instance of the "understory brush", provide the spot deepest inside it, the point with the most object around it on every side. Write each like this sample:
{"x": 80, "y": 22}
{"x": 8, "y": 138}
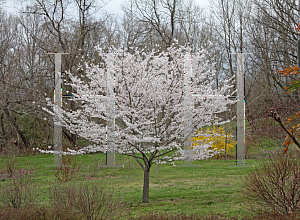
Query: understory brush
{"x": 19, "y": 200}
{"x": 275, "y": 186}
{"x": 20, "y": 193}
{"x": 88, "y": 201}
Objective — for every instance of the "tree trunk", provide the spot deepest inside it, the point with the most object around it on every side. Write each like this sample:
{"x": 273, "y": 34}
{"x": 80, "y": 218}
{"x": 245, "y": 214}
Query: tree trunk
{"x": 13, "y": 122}
{"x": 146, "y": 184}
{"x": 4, "y": 136}
{"x": 2, "y": 127}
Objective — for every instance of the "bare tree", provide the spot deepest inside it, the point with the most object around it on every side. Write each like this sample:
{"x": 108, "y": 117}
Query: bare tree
{"x": 162, "y": 21}
{"x": 65, "y": 34}
{"x": 21, "y": 72}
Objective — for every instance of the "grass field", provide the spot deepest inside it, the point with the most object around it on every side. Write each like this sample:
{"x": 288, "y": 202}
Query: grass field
{"x": 211, "y": 187}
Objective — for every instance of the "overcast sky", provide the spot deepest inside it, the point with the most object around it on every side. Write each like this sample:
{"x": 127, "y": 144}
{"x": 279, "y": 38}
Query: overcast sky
{"x": 114, "y": 6}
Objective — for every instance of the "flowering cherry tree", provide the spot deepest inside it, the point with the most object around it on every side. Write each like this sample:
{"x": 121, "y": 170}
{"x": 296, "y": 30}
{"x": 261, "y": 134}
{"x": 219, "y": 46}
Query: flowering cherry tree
{"x": 149, "y": 104}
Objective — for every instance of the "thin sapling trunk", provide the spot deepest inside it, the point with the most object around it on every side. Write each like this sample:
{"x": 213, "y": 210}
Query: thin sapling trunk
{"x": 146, "y": 184}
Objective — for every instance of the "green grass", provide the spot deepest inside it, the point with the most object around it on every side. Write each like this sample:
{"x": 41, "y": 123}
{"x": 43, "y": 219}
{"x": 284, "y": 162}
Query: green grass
{"x": 212, "y": 187}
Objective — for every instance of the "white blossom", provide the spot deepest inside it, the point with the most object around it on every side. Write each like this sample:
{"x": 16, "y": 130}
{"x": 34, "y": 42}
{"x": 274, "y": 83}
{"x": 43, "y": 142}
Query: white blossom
{"x": 148, "y": 105}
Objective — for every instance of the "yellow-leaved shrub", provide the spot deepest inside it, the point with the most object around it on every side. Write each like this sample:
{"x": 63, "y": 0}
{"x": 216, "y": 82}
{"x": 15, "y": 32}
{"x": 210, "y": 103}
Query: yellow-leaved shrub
{"x": 218, "y": 138}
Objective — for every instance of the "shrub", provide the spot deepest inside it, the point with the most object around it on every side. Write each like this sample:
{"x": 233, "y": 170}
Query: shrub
{"x": 23, "y": 213}
{"x": 36, "y": 213}
{"x": 275, "y": 186}
{"x": 19, "y": 194}
{"x": 219, "y": 137}
{"x": 69, "y": 170}
{"x": 89, "y": 201}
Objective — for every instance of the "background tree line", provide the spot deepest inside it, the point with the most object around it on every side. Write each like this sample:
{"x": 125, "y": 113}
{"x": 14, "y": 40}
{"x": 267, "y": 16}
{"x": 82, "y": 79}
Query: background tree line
{"x": 263, "y": 28}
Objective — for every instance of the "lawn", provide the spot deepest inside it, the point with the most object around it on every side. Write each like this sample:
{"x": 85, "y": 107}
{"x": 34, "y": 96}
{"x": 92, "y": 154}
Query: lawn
{"x": 212, "y": 186}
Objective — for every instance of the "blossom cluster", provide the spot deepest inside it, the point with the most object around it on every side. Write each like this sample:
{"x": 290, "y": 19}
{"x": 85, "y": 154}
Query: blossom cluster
{"x": 147, "y": 94}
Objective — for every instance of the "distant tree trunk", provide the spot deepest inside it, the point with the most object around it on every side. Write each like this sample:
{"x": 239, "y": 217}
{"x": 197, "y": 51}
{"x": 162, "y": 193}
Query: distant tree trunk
{"x": 13, "y": 122}
{"x": 4, "y": 137}
{"x": 2, "y": 127}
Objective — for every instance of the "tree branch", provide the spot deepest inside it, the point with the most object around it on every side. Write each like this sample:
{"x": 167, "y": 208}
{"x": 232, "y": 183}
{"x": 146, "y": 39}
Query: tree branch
{"x": 273, "y": 113}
